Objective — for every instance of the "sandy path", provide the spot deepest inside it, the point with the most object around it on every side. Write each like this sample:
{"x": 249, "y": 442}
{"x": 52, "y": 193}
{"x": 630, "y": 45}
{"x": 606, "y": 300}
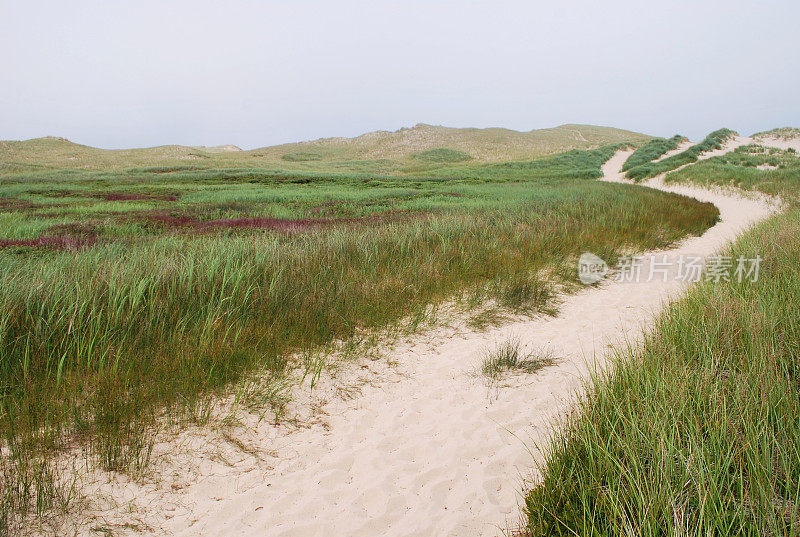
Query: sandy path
{"x": 423, "y": 447}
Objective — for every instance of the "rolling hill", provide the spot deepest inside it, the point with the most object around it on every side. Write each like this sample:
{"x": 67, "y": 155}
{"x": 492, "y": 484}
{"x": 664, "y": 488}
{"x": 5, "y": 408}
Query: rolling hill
{"x": 404, "y": 145}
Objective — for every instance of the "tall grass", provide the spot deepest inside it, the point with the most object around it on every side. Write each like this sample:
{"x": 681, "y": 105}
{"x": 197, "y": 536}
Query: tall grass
{"x": 696, "y": 432}
{"x": 651, "y": 169}
{"x": 95, "y": 343}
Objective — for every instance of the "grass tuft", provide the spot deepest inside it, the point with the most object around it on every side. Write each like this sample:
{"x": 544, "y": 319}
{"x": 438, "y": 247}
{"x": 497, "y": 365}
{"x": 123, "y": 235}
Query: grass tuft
{"x": 508, "y": 356}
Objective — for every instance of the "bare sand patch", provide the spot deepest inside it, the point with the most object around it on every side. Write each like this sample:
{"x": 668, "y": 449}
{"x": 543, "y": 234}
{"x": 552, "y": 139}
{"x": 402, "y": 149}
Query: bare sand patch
{"x": 779, "y": 142}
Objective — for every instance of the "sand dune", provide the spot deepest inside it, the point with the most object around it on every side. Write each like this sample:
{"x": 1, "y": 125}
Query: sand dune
{"x": 683, "y": 146}
{"x": 779, "y": 143}
{"x": 417, "y": 444}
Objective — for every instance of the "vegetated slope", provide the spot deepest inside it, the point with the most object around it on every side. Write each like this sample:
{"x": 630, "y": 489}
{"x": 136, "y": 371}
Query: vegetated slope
{"x": 785, "y": 138}
{"x": 441, "y": 154}
{"x": 228, "y": 148}
{"x": 752, "y": 167}
{"x": 163, "y": 289}
{"x": 583, "y": 164}
{"x": 481, "y": 144}
{"x": 651, "y": 169}
{"x": 59, "y": 153}
{"x": 652, "y": 150}
{"x": 380, "y": 146}
{"x": 782, "y": 132}
{"x": 696, "y": 432}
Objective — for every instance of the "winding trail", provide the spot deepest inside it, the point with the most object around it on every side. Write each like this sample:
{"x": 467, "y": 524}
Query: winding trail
{"x": 420, "y": 445}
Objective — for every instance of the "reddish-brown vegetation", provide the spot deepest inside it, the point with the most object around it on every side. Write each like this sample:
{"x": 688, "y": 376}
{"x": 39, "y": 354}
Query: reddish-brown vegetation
{"x": 75, "y": 229}
{"x": 286, "y": 225}
{"x": 56, "y": 242}
{"x": 72, "y": 236}
{"x": 15, "y": 204}
{"x": 276, "y": 224}
{"x": 110, "y": 196}
{"x": 133, "y": 196}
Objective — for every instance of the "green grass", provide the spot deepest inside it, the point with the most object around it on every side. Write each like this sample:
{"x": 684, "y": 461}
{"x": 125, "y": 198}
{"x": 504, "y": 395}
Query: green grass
{"x": 301, "y": 156}
{"x": 571, "y": 164}
{"x": 34, "y": 202}
{"x": 652, "y": 150}
{"x": 190, "y": 281}
{"x": 442, "y": 154}
{"x": 651, "y": 169}
{"x": 696, "y": 432}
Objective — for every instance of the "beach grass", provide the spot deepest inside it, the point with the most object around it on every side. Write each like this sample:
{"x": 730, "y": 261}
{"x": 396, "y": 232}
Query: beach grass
{"x": 775, "y": 172}
{"x": 715, "y": 140}
{"x": 652, "y": 150}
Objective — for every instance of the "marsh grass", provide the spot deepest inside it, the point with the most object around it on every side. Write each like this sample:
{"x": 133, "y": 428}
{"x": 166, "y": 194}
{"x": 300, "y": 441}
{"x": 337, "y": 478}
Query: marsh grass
{"x": 100, "y": 343}
{"x": 509, "y": 356}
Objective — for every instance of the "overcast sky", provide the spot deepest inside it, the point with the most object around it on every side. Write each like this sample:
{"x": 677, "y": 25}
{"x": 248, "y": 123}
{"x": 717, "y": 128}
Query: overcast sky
{"x": 143, "y": 73}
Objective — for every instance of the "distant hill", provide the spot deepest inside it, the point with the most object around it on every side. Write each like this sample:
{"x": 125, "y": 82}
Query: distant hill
{"x": 218, "y": 148}
{"x": 407, "y": 144}
{"x": 480, "y": 144}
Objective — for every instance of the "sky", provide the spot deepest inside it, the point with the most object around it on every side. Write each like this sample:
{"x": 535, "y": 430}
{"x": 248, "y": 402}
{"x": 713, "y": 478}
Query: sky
{"x": 117, "y": 74}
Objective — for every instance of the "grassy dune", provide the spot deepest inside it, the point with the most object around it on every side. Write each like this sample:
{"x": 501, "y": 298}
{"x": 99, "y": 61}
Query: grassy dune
{"x": 652, "y": 150}
{"x": 782, "y": 132}
{"x": 651, "y": 169}
{"x": 381, "y": 149}
{"x": 129, "y": 293}
{"x": 697, "y": 431}
{"x": 740, "y": 169}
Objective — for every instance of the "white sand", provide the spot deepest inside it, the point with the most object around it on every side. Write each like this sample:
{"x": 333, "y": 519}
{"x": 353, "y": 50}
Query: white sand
{"x": 778, "y": 142}
{"x": 421, "y": 447}
{"x": 727, "y": 147}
